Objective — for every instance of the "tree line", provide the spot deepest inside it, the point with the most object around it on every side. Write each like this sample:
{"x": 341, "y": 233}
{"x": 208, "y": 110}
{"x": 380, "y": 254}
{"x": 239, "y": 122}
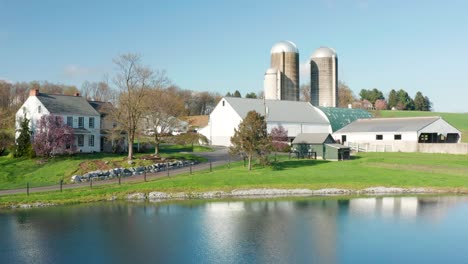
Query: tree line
{"x": 375, "y": 99}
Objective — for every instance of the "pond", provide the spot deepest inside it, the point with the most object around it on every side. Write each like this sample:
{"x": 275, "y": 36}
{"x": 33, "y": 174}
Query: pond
{"x": 427, "y": 229}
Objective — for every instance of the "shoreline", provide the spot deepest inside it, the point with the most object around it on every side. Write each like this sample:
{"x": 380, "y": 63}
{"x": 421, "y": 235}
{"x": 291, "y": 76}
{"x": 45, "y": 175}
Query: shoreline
{"x": 156, "y": 197}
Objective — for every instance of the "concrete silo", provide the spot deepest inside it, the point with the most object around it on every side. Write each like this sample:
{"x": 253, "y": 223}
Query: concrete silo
{"x": 272, "y": 84}
{"x": 324, "y": 77}
{"x": 285, "y": 58}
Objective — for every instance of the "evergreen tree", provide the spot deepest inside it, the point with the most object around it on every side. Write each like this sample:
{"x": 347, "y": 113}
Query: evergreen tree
{"x": 228, "y": 94}
{"x": 419, "y": 102}
{"x": 428, "y": 104}
{"x": 251, "y": 95}
{"x": 237, "y": 94}
{"x": 405, "y": 102}
{"x": 371, "y": 95}
{"x": 23, "y": 143}
{"x": 251, "y": 138}
{"x": 392, "y": 99}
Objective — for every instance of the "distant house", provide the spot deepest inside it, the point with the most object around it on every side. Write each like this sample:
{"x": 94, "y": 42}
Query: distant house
{"x": 397, "y": 134}
{"x": 321, "y": 145}
{"x": 295, "y": 117}
{"x": 83, "y": 116}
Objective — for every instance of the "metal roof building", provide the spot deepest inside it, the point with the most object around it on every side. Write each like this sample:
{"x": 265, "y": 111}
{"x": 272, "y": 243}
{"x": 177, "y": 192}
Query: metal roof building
{"x": 341, "y": 117}
{"x": 397, "y": 134}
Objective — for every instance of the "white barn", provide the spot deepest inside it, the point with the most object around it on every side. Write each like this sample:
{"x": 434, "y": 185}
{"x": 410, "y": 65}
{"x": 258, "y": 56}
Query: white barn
{"x": 296, "y": 117}
{"x": 75, "y": 111}
{"x": 396, "y": 134}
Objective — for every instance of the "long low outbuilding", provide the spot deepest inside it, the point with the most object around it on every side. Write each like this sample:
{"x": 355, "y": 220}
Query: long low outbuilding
{"x": 397, "y": 134}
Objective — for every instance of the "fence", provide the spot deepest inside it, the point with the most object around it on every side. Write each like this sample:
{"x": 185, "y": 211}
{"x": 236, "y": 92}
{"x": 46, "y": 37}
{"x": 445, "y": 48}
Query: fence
{"x": 165, "y": 172}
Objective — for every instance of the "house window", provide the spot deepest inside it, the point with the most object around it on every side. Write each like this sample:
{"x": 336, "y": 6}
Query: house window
{"x": 70, "y": 121}
{"x": 39, "y": 109}
{"x": 379, "y": 137}
{"x": 91, "y": 122}
{"x": 223, "y": 102}
{"x": 91, "y": 141}
{"x": 397, "y": 137}
{"x": 81, "y": 122}
{"x": 80, "y": 140}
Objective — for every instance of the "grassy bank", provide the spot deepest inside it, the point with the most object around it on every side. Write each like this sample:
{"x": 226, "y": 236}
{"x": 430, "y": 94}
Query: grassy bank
{"x": 15, "y": 173}
{"x": 438, "y": 171}
{"x": 458, "y": 120}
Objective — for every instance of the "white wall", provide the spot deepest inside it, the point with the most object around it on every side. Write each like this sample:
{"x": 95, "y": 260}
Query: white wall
{"x": 371, "y": 137}
{"x": 96, "y": 131}
{"x": 30, "y": 107}
{"x": 221, "y": 125}
{"x": 296, "y": 128}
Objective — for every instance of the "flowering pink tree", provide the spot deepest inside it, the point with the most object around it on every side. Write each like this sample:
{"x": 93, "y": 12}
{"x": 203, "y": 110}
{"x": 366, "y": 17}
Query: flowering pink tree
{"x": 380, "y": 104}
{"x": 53, "y": 136}
{"x": 279, "y": 138}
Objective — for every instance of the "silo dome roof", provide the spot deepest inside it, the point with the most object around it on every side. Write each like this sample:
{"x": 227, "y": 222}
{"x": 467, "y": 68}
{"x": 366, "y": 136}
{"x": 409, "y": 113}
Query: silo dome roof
{"x": 324, "y": 52}
{"x": 271, "y": 71}
{"x": 284, "y": 46}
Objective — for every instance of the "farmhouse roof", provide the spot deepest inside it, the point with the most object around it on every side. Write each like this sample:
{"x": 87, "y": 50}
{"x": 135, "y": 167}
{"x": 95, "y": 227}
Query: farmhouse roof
{"x": 66, "y": 104}
{"x": 278, "y": 111}
{"x": 102, "y": 107}
{"x": 404, "y": 124}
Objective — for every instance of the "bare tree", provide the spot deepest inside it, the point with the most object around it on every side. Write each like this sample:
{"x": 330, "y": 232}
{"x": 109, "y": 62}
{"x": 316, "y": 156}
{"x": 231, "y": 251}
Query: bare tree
{"x": 133, "y": 81}
{"x": 305, "y": 92}
{"x": 162, "y": 115}
{"x": 345, "y": 95}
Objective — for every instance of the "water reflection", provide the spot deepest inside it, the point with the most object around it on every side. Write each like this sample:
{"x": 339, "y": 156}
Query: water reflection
{"x": 280, "y": 231}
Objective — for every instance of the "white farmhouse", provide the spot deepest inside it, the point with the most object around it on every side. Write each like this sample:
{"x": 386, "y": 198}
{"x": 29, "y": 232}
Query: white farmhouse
{"x": 75, "y": 110}
{"x": 296, "y": 117}
{"x": 397, "y": 134}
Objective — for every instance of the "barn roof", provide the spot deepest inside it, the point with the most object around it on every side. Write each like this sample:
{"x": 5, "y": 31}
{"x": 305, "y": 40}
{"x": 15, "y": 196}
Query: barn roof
{"x": 312, "y": 138}
{"x": 341, "y": 117}
{"x": 66, "y": 105}
{"x": 278, "y": 111}
{"x": 405, "y": 124}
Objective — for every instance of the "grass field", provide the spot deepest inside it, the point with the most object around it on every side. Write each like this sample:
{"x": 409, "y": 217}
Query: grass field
{"x": 15, "y": 173}
{"x": 444, "y": 172}
{"x": 458, "y": 120}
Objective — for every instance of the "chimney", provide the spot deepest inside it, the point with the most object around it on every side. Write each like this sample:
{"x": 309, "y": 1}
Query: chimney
{"x": 77, "y": 94}
{"x": 34, "y": 92}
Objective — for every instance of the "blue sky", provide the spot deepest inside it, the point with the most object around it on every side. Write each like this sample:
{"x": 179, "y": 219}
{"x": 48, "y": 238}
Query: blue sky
{"x": 225, "y": 45}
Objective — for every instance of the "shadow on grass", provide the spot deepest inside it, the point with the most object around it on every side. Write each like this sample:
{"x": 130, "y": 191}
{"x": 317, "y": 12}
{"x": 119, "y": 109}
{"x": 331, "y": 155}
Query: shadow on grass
{"x": 291, "y": 164}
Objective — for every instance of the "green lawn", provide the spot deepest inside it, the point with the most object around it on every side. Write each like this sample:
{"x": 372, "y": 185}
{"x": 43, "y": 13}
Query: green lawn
{"x": 458, "y": 120}
{"x": 15, "y": 173}
{"x": 444, "y": 172}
